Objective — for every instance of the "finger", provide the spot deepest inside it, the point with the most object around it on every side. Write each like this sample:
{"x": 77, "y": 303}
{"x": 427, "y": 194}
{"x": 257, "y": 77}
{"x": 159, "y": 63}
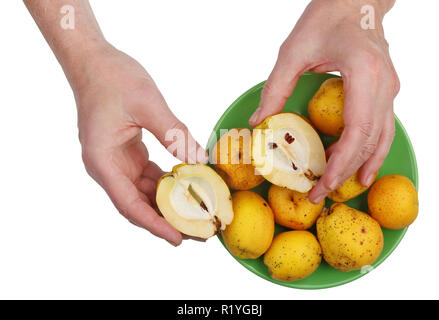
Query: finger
{"x": 181, "y": 144}
{"x": 145, "y": 198}
{"x": 280, "y": 85}
{"x": 186, "y": 237}
{"x": 371, "y": 166}
{"x": 130, "y": 204}
{"x": 148, "y": 187}
{"x": 170, "y": 131}
{"x": 357, "y": 142}
{"x": 147, "y": 183}
{"x": 324, "y": 67}
{"x": 330, "y": 150}
{"x": 352, "y": 150}
{"x": 152, "y": 171}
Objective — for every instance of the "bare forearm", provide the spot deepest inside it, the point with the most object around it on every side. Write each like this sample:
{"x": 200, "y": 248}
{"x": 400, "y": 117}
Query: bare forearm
{"x": 74, "y": 45}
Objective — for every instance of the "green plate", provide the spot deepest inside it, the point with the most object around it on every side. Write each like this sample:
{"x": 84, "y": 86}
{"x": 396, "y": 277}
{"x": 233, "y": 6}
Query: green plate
{"x": 401, "y": 160}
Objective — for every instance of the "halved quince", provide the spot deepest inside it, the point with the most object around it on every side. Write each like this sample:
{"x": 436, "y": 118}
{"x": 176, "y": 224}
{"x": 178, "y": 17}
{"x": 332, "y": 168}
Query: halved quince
{"x": 195, "y": 200}
{"x": 288, "y": 152}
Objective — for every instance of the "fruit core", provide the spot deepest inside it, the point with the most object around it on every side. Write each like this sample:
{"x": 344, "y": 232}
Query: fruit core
{"x": 288, "y": 150}
{"x": 194, "y": 198}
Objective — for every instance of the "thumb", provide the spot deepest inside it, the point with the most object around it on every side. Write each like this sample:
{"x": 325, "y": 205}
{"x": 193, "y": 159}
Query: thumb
{"x": 177, "y": 139}
{"x": 172, "y": 133}
{"x": 279, "y": 86}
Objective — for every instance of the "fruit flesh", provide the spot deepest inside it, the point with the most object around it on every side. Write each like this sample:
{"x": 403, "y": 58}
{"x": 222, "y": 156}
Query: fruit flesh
{"x": 288, "y": 152}
{"x": 195, "y": 200}
{"x": 189, "y": 195}
{"x": 294, "y": 153}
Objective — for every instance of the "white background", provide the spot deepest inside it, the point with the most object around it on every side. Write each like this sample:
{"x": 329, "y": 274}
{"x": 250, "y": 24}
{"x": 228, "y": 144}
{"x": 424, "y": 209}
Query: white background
{"x": 60, "y": 236}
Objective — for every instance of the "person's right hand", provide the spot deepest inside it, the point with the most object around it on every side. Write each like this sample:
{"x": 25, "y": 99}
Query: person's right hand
{"x": 116, "y": 98}
{"x": 329, "y": 37}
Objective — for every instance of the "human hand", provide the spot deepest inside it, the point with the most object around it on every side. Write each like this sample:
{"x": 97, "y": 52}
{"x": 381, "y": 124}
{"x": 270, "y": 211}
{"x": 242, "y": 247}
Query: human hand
{"x": 329, "y": 37}
{"x": 116, "y": 98}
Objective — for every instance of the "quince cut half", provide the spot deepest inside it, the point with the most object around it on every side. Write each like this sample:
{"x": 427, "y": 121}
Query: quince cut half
{"x": 288, "y": 152}
{"x": 195, "y": 200}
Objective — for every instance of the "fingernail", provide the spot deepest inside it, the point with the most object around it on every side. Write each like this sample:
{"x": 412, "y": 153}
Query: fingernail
{"x": 172, "y": 243}
{"x": 369, "y": 180}
{"x": 334, "y": 183}
{"x": 318, "y": 199}
{"x": 254, "y": 118}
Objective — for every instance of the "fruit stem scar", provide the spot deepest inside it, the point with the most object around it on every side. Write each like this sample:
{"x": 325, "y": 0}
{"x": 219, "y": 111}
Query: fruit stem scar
{"x": 311, "y": 176}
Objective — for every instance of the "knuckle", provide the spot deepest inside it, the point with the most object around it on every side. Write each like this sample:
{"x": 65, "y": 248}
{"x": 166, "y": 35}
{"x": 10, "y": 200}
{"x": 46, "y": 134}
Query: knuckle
{"x": 380, "y": 159}
{"x": 290, "y": 53}
{"x": 367, "y": 150}
{"x": 144, "y": 92}
{"x": 365, "y": 129}
{"x": 180, "y": 126}
{"x": 142, "y": 85}
{"x": 395, "y": 84}
{"x": 91, "y": 163}
{"x": 271, "y": 90}
{"x": 390, "y": 83}
{"x": 391, "y": 131}
{"x": 268, "y": 89}
{"x": 371, "y": 61}
{"x": 327, "y": 184}
{"x": 127, "y": 207}
{"x": 284, "y": 48}
{"x": 87, "y": 158}
{"x": 378, "y": 69}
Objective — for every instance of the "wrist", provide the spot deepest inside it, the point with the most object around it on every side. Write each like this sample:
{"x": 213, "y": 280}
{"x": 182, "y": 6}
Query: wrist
{"x": 347, "y": 7}
{"x": 76, "y": 45}
{"x": 77, "y": 59}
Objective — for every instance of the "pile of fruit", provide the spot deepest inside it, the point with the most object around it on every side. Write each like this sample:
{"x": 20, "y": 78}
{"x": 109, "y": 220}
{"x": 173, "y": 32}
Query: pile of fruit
{"x": 286, "y": 151}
